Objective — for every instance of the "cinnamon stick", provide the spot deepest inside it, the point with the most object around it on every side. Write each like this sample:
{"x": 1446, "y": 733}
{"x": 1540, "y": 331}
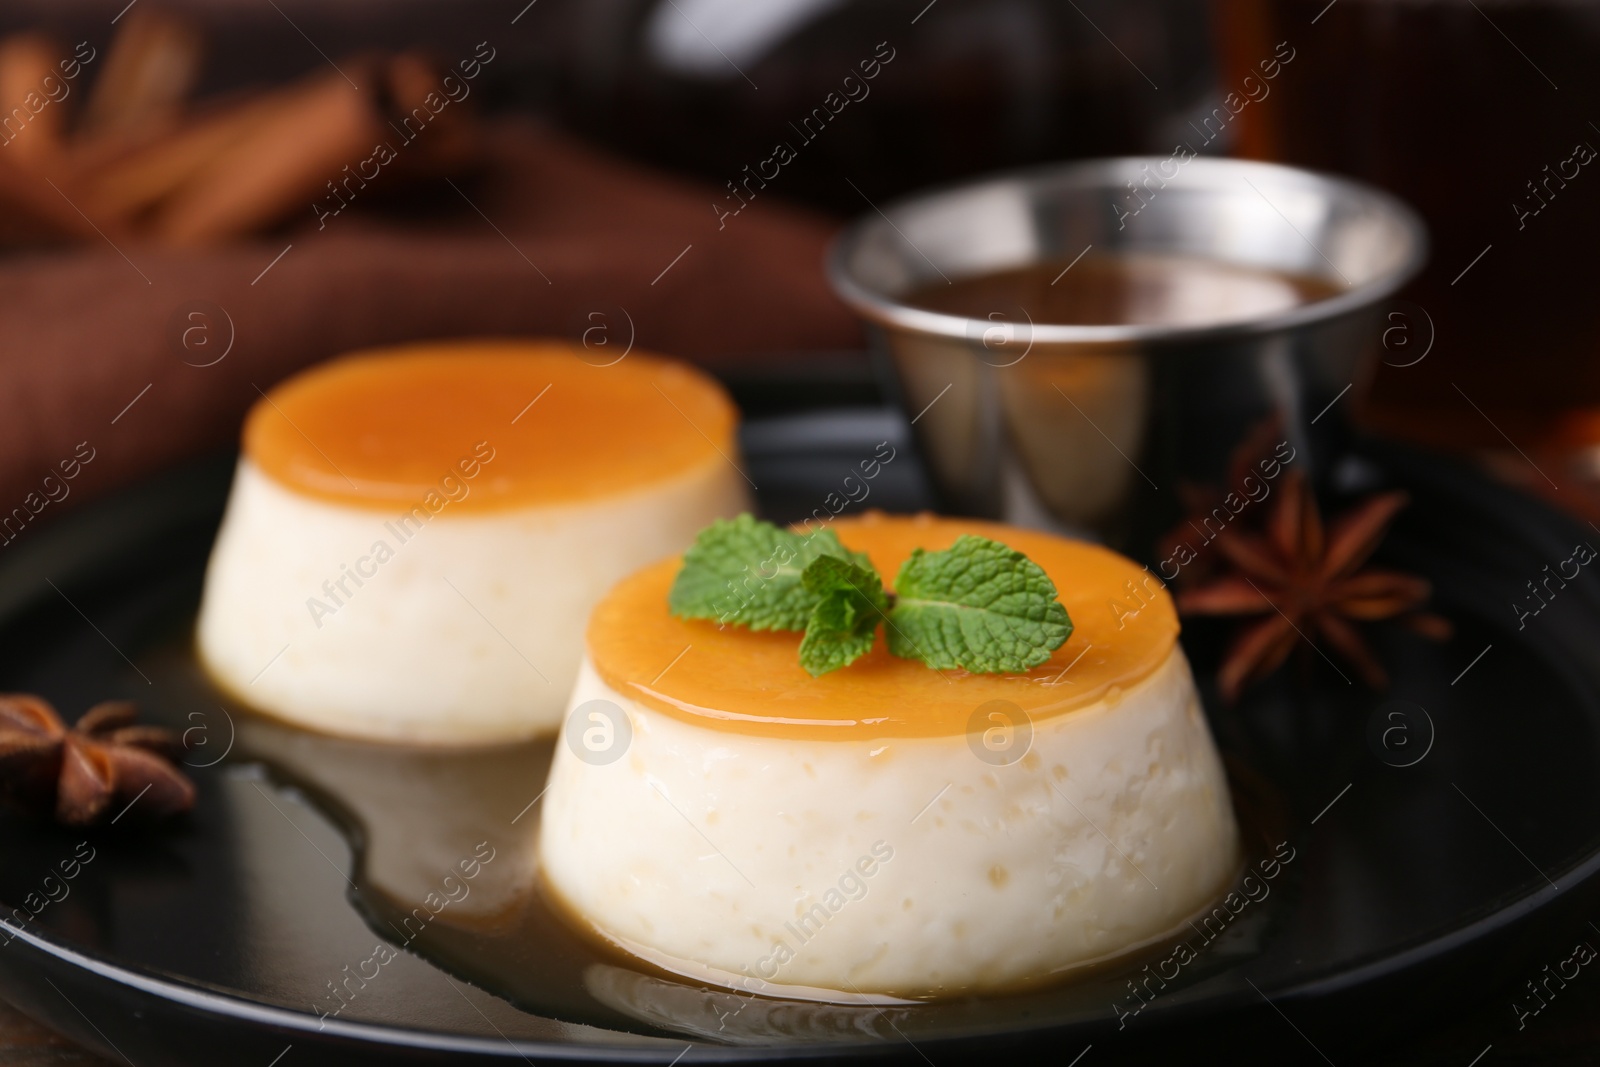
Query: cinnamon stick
{"x": 440, "y": 139}
{"x": 144, "y": 174}
{"x": 150, "y": 67}
{"x": 311, "y": 139}
{"x": 32, "y": 99}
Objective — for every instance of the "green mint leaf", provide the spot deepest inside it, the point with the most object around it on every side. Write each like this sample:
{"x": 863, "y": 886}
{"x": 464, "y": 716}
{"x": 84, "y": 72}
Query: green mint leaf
{"x": 748, "y": 572}
{"x": 850, "y": 604}
{"x": 978, "y": 606}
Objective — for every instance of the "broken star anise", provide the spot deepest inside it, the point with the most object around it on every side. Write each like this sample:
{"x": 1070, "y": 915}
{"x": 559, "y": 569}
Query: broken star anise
{"x": 1310, "y": 584}
{"x": 106, "y": 763}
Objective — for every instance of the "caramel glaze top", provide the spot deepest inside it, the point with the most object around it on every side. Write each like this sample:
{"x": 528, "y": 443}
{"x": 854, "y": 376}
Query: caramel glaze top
{"x": 517, "y": 424}
{"x": 743, "y": 682}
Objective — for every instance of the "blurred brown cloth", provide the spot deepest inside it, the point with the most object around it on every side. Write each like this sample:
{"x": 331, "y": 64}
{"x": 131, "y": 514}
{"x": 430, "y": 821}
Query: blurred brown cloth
{"x": 548, "y": 233}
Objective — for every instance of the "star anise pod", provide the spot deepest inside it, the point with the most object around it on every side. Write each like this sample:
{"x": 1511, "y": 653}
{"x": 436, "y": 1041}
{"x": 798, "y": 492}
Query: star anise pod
{"x": 1248, "y": 463}
{"x": 80, "y": 773}
{"x": 1309, "y": 584}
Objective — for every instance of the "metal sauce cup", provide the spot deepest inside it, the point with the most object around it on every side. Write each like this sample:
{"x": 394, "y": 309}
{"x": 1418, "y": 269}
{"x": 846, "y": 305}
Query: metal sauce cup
{"x": 1096, "y": 428}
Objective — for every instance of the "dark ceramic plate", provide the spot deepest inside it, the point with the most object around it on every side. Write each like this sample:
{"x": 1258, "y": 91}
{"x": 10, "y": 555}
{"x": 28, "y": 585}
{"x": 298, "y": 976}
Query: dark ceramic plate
{"x": 1431, "y": 833}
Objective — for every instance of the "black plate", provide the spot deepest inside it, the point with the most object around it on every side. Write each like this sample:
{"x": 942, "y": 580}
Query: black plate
{"x": 217, "y": 939}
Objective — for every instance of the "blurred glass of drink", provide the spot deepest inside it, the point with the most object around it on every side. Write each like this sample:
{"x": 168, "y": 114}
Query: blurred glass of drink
{"x": 1482, "y": 115}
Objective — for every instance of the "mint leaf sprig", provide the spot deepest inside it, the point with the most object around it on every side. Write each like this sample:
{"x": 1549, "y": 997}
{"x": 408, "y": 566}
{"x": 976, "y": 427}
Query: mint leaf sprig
{"x": 844, "y": 621}
{"x": 747, "y": 572}
{"x": 978, "y": 606}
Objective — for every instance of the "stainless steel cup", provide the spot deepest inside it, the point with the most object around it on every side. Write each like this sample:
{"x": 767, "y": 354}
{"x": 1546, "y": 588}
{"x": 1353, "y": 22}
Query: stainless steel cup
{"x": 1099, "y": 426}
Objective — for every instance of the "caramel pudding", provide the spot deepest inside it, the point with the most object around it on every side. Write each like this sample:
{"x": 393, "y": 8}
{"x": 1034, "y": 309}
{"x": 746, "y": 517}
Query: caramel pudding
{"x": 887, "y": 829}
{"x": 416, "y": 535}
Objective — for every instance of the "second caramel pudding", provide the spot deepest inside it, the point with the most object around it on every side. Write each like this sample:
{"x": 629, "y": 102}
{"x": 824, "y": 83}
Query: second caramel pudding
{"x": 416, "y": 535}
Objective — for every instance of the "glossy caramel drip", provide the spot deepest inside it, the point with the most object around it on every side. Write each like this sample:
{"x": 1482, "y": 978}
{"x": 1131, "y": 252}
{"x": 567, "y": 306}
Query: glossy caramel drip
{"x": 733, "y": 679}
{"x": 383, "y": 428}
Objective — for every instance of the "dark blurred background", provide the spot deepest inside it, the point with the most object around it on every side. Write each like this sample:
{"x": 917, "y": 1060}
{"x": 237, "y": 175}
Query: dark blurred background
{"x": 707, "y": 87}
{"x": 1471, "y": 111}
